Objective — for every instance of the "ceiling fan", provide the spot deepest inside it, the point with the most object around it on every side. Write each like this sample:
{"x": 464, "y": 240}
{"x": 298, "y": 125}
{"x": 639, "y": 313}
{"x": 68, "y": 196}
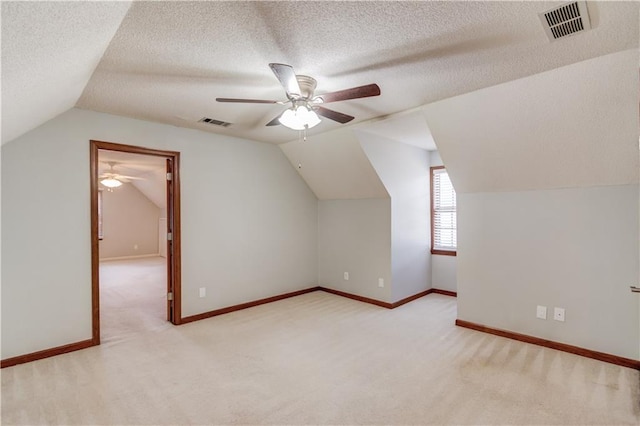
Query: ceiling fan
{"x": 112, "y": 179}
{"x": 305, "y": 107}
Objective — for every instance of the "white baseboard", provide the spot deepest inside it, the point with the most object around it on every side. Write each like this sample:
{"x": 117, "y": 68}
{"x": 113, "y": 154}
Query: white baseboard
{"x": 141, "y": 256}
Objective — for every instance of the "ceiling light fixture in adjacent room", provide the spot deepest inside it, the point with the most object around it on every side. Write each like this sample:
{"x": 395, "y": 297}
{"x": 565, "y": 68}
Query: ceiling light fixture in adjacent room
{"x": 111, "y": 182}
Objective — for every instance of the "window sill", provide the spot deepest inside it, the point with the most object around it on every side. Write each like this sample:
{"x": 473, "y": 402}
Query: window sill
{"x": 444, "y": 252}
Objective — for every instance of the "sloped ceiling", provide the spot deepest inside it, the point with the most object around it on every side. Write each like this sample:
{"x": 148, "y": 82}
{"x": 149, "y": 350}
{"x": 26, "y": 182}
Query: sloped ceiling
{"x": 49, "y": 52}
{"x": 335, "y": 167}
{"x": 168, "y": 61}
{"x": 574, "y": 126}
{"x": 149, "y": 170}
{"x": 409, "y": 127}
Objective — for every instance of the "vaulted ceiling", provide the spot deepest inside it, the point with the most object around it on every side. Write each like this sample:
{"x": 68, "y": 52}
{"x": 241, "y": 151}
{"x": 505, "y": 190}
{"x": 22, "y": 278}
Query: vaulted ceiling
{"x": 576, "y": 126}
{"x": 146, "y": 172}
{"x": 168, "y": 61}
{"x": 49, "y": 52}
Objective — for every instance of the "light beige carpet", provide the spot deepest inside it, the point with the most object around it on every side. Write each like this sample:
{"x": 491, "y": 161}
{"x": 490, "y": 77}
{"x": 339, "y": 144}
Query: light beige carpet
{"x": 133, "y": 294}
{"x": 321, "y": 359}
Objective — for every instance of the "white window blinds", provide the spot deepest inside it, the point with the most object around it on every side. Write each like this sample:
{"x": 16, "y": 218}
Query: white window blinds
{"x": 444, "y": 211}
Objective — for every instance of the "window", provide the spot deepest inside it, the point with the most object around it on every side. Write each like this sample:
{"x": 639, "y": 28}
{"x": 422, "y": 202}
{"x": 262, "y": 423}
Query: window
{"x": 443, "y": 213}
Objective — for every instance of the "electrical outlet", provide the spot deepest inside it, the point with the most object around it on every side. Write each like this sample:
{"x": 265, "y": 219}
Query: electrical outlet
{"x": 380, "y": 282}
{"x": 541, "y": 312}
{"x": 558, "y": 314}
{"x": 346, "y": 276}
{"x": 203, "y": 291}
{"x": 135, "y": 247}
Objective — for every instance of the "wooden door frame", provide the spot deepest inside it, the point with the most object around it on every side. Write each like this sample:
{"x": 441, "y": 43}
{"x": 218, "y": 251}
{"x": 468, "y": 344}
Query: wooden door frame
{"x": 95, "y": 146}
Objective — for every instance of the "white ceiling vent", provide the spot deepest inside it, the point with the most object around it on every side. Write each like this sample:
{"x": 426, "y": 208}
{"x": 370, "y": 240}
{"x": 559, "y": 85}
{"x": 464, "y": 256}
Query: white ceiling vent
{"x": 214, "y": 122}
{"x": 566, "y": 20}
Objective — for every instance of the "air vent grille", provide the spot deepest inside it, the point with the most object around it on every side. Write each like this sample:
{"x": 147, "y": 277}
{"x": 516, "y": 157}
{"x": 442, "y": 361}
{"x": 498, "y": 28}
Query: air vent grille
{"x": 214, "y": 122}
{"x": 566, "y": 20}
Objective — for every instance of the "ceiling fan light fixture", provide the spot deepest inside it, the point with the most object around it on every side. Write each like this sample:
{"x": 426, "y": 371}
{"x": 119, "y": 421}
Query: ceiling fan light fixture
{"x": 299, "y": 118}
{"x": 111, "y": 182}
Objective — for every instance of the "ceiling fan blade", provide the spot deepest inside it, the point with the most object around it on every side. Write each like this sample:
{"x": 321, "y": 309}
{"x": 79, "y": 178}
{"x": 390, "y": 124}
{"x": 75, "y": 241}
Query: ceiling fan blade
{"x": 353, "y": 93}
{"x": 118, "y": 177}
{"x": 287, "y": 77}
{"x": 246, "y": 101}
{"x": 275, "y": 121}
{"x": 333, "y": 115}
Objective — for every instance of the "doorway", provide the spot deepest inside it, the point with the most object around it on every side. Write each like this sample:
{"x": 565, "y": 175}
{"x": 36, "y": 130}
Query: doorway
{"x": 171, "y": 245}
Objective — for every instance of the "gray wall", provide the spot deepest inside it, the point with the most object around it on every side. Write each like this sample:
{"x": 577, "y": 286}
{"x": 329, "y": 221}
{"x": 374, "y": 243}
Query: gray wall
{"x": 249, "y": 224}
{"x": 404, "y": 171}
{"x": 354, "y": 236}
{"x": 129, "y": 223}
{"x": 380, "y": 238}
{"x": 444, "y": 272}
{"x": 571, "y": 248}
{"x": 524, "y": 238}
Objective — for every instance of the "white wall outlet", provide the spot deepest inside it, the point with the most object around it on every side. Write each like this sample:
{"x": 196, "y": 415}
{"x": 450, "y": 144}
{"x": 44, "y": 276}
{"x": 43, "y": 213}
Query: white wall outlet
{"x": 203, "y": 291}
{"x": 541, "y": 312}
{"x": 381, "y": 282}
{"x": 346, "y": 276}
{"x": 135, "y": 247}
{"x": 558, "y": 314}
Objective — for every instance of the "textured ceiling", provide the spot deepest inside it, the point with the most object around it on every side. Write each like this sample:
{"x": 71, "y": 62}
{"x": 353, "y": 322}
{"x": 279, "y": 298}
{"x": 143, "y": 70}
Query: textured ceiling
{"x": 150, "y": 169}
{"x": 49, "y": 52}
{"x": 129, "y": 164}
{"x": 409, "y": 127}
{"x": 481, "y": 73}
{"x": 576, "y": 126}
{"x": 168, "y": 61}
{"x": 335, "y": 166}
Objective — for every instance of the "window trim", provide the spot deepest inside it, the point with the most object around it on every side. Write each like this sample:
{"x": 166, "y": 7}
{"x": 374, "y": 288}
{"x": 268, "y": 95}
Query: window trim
{"x": 433, "y": 212}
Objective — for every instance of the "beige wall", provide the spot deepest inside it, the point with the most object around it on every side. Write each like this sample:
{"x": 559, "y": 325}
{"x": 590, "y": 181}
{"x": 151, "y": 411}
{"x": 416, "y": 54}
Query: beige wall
{"x": 129, "y": 223}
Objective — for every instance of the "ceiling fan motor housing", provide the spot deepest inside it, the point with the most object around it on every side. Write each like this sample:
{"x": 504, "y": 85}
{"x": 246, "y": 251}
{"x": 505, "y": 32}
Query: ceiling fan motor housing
{"x": 307, "y": 86}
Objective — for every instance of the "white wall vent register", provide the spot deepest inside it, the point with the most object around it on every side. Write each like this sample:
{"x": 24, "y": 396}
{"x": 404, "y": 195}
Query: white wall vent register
{"x": 566, "y": 20}
{"x": 214, "y": 122}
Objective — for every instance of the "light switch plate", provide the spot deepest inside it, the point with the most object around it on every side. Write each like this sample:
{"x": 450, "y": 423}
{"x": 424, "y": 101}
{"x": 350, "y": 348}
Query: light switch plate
{"x": 541, "y": 312}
